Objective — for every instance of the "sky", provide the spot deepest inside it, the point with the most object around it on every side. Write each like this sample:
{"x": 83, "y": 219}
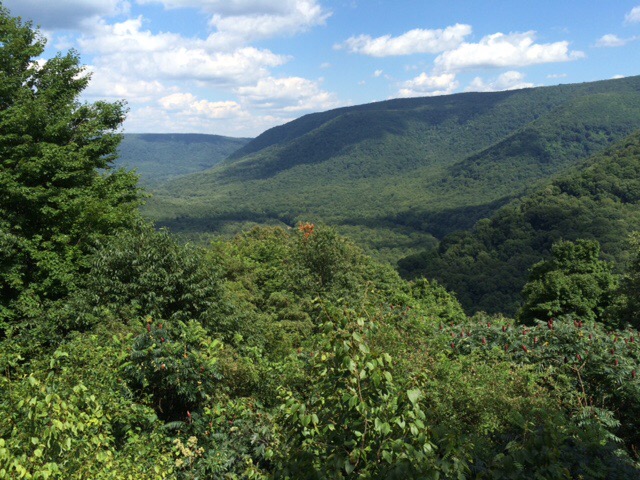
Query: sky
{"x": 239, "y": 67}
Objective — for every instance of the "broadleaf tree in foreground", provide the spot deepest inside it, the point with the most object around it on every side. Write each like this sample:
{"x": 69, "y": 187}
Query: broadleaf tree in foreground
{"x": 58, "y": 193}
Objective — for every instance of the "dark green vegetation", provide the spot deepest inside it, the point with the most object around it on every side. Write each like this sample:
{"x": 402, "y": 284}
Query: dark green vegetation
{"x": 487, "y": 266}
{"x": 161, "y": 157}
{"x": 399, "y": 175}
{"x": 283, "y": 353}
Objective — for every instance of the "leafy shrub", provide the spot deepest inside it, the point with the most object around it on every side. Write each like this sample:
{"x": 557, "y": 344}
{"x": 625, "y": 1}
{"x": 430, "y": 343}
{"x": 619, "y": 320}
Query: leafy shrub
{"x": 573, "y": 281}
{"x": 146, "y": 273}
{"x": 354, "y": 420}
{"x": 176, "y": 367}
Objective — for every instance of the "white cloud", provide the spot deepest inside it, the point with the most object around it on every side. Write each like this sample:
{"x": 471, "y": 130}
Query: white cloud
{"x": 239, "y": 22}
{"x": 617, "y": 77}
{"x": 230, "y": 7}
{"x": 127, "y": 37}
{"x": 505, "y": 50}
{"x": 377, "y": 73}
{"x": 413, "y": 41}
{"x": 611, "y": 40}
{"x": 65, "y": 14}
{"x": 511, "y": 80}
{"x": 291, "y": 94}
{"x": 557, "y": 75}
{"x": 155, "y": 71}
{"x": 155, "y": 118}
{"x": 187, "y": 104}
{"x": 126, "y": 48}
{"x": 302, "y": 15}
{"x": 109, "y": 84}
{"x": 426, "y": 86}
{"x": 633, "y": 16}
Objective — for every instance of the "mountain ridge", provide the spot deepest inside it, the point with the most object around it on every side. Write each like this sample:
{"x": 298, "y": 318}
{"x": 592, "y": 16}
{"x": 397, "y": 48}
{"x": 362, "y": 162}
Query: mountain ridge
{"x": 159, "y": 157}
{"x": 402, "y": 162}
{"x": 487, "y": 265}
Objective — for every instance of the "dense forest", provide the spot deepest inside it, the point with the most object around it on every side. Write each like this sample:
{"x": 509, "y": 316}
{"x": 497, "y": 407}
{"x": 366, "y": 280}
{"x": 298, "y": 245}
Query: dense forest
{"x": 398, "y": 176}
{"x": 284, "y": 352}
{"x": 487, "y": 265}
{"x": 157, "y": 158}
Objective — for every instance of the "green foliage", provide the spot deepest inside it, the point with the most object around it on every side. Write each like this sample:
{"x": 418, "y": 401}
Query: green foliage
{"x": 53, "y": 434}
{"x": 396, "y": 175}
{"x": 142, "y": 272}
{"x": 161, "y": 157}
{"x": 591, "y": 371}
{"x": 487, "y": 266}
{"x": 630, "y": 311}
{"x": 69, "y": 415}
{"x": 573, "y": 281}
{"x": 355, "y": 421}
{"x": 58, "y": 195}
{"x": 288, "y": 353}
{"x": 175, "y": 366}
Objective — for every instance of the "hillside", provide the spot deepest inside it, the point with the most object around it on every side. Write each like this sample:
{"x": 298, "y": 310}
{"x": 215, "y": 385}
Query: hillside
{"x": 398, "y": 175}
{"x": 487, "y": 266}
{"x": 161, "y": 157}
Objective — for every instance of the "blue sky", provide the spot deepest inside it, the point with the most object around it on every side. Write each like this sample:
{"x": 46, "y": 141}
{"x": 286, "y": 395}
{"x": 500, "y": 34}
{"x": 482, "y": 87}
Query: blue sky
{"x": 238, "y": 67}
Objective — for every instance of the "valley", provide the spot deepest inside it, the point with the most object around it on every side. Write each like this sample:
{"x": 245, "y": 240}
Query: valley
{"x": 397, "y": 176}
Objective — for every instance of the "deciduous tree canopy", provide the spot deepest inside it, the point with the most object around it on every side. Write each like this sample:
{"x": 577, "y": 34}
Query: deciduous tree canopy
{"x": 58, "y": 193}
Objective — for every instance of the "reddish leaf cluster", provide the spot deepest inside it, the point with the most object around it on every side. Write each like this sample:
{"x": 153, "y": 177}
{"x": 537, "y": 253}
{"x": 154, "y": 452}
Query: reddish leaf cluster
{"x": 306, "y": 229}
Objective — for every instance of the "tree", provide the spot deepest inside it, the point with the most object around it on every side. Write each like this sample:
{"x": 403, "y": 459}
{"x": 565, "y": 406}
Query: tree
{"x": 630, "y": 311}
{"x": 58, "y": 192}
{"x": 574, "y": 281}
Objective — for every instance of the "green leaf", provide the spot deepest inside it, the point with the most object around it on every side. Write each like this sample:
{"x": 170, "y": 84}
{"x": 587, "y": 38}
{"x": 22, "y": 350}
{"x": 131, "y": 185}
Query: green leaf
{"x": 348, "y": 467}
{"x": 414, "y": 395}
{"x": 305, "y": 420}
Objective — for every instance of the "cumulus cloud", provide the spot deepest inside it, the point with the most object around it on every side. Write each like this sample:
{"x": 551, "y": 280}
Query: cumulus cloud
{"x": 155, "y": 71}
{"x": 291, "y": 94}
{"x": 155, "y": 118}
{"x": 109, "y": 84}
{"x": 611, "y": 40}
{"x": 505, "y": 50}
{"x": 413, "y": 41}
{"x": 66, "y": 14}
{"x": 377, "y": 73}
{"x": 188, "y": 104}
{"x": 426, "y": 86}
{"x": 633, "y": 16}
{"x": 511, "y": 80}
{"x": 229, "y": 7}
{"x": 242, "y": 21}
{"x": 124, "y": 47}
{"x": 302, "y": 15}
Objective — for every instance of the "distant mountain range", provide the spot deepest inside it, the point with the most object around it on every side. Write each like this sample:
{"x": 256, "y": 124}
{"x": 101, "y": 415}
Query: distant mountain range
{"x": 161, "y": 157}
{"x": 399, "y": 175}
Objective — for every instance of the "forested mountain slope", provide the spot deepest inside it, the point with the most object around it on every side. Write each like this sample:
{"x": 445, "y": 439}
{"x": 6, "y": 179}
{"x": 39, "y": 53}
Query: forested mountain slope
{"x": 397, "y": 175}
{"x": 487, "y": 266}
{"x": 160, "y": 157}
